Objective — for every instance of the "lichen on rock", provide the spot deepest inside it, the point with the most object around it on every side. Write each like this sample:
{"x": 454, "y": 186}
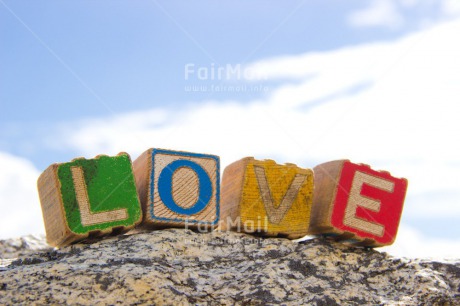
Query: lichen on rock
{"x": 181, "y": 267}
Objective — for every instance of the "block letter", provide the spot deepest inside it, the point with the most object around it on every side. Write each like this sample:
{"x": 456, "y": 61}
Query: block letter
{"x": 178, "y": 188}
{"x": 88, "y": 197}
{"x": 266, "y": 198}
{"x": 356, "y": 204}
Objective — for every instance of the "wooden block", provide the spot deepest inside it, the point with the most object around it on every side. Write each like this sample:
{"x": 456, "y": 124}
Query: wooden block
{"x": 178, "y": 189}
{"x": 267, "y": 198}
{"x": 88, "y": 197}
{"x": 356, "y": 204}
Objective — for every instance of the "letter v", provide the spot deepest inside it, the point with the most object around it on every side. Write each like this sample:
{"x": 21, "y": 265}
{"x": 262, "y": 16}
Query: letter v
{"x": 275, "y": 215}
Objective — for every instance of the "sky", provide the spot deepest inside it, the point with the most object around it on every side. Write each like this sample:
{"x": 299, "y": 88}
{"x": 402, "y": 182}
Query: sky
{"x": 305, "y": 82}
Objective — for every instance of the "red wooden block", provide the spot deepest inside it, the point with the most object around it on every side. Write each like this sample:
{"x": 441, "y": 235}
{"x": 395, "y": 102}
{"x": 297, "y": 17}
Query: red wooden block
{"x": 354, "y": 203}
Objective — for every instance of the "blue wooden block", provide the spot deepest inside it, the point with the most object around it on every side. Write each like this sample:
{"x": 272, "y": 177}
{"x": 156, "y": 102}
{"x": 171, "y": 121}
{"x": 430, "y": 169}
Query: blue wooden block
{"x": 179, "y": 189}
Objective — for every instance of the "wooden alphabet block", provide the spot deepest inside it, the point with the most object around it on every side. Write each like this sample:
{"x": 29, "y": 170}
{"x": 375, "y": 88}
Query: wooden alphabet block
{"x": 178, "y": 188}
{"x": 352, "y": 202}
{"x": 88, "y": 197}
{"x": 267, "y": 198}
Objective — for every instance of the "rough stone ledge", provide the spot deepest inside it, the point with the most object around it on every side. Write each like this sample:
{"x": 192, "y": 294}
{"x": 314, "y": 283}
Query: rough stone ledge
{"x": 181, "y": 267}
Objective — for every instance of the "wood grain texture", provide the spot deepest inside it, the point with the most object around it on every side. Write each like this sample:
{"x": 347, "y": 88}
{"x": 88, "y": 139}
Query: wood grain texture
{"x": 88, "y": 197}
{"x": 267, "y": 198}
{"x": 178, "y": 189}
{"x": 142, "y": 167}
{"x": 357, "y": 205}
{"x": 57, "y": 231}
{"x": 326, "y": 177}
{"x": 87, "y": 216}
{"x": 231, "y": 194}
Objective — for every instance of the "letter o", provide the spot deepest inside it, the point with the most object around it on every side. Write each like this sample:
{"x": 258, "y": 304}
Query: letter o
{"x": 165, "y": 187}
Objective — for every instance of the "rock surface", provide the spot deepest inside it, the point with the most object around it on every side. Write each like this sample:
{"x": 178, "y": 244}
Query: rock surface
{"x": 13, "y": 248}
{"x": 181, "y": 267}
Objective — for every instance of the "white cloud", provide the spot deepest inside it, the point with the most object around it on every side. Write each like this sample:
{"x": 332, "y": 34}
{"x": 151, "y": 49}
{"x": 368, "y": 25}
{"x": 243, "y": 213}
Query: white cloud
{"x": 410, "y": 3}
{"x": 378, "y": 13}
{"x": 437, "y": 204}
{"x": 407, "y": 14}
{"x": 393, "y": 105}
{"x": 412, "y": 244}
{"x": 451, "y": 7}
{"x": 20, "y": 207}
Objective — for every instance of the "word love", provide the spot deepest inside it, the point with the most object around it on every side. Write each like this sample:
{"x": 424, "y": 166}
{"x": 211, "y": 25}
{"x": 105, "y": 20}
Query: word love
{"x": 163, "y": 188}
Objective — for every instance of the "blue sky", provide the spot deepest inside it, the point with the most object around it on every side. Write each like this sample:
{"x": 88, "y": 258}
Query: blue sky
{"x": 89, "y": 77}
{"x": 100, "y": 58}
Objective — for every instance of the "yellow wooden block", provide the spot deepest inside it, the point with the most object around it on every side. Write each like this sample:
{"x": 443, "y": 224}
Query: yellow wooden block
{"x": 267, "y": 198}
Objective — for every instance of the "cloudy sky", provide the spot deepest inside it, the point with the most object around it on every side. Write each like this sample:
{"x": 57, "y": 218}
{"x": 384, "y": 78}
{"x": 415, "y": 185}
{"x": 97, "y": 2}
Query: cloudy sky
{"x": 306, "y": 82}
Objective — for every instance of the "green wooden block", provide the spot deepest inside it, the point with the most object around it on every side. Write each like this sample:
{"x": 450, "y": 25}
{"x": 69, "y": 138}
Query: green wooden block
{"x": 88, "y": 197}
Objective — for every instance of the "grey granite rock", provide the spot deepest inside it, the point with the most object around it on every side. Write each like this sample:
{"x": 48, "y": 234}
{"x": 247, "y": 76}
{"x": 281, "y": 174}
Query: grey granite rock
{"x": 15, "y": 247}
{"x": 180, "y": 267}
